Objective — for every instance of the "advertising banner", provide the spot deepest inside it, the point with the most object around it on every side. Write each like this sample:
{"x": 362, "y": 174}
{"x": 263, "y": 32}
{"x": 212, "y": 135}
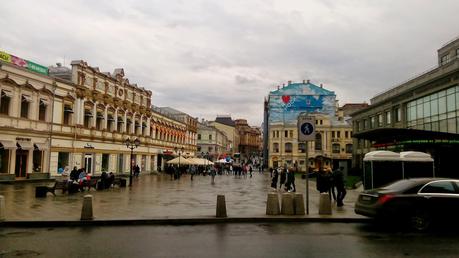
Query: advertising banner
{"x": 5, "y": 57}
{"x": 34, "y": 67}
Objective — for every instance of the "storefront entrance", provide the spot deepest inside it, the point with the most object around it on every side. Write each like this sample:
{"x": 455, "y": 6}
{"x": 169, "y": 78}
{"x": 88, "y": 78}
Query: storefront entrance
{"x": 21, "y": 163}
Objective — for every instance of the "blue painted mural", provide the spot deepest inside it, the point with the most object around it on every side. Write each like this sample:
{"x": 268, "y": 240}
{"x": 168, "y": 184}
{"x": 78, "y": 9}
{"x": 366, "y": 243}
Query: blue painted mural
{"x": 287, "y": 103}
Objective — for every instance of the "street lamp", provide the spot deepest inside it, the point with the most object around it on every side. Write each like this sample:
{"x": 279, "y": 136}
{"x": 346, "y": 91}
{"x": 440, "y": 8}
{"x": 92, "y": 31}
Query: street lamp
{"x": 179, "y": 151}
{"x": 131, "y": 144}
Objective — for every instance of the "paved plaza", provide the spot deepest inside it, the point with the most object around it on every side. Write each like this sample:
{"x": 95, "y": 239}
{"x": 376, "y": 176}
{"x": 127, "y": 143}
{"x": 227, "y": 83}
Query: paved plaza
{"x": 159, "y": 197}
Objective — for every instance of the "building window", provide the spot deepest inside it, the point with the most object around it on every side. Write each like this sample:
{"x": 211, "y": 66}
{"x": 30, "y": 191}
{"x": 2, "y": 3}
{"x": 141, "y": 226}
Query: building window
{"x": 25, "y": 104}
{"x": 87, "y": 118}
{"x": 318, "y": 142}
{"x": 210, "y": 149}
{"x": 346, "y": 134}
{"x": 198, "y": 148}
{"x": 199, "y": 136}
{"x": 68, "y": 111}
{"x": 380, "y": 120}
{"x": 288, "y": 147}
{"x": 365, "y": 126}
{"x": 372, "y": 122}
{"x": 444, "y": 59}
{"x": 100, "y": 118}
{"x": 110, "y": 123}
{"x": 335, "y": 148}
{"x": 338, "y": 134}
{"x": 120, "y": 167}
{"x": 291, "y": 133}
{"x": 275, "y": 147}
{"x": 301, "y": 147}
{"x": 398, "y": 114}
{"x": 105, "y": 162}
{"x": 62, "y": 160}
{"x": 119, "y": 126}
{"x": 388, "y": 118}
{"x": 333, "y": 134}
{"x": 129, "y": 126}
{"x": 42, "y": 110}
{"x": 285, "y": 133}
{"x": 5, "y": 102}
{"x": 210, "y": 136}
{"x": 348, "y": 148}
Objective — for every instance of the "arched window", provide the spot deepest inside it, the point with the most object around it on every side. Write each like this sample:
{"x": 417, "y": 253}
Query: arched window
{"x": 288, "y": 147}
{"x": 318, "y": 142}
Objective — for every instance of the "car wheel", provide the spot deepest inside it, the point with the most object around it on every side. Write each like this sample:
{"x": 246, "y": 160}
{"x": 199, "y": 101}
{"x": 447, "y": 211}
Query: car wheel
{"x": 420, "y": 220}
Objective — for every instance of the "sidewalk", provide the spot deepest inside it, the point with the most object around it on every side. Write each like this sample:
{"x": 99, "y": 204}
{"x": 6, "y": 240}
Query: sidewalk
{"x": 158, "y": 198}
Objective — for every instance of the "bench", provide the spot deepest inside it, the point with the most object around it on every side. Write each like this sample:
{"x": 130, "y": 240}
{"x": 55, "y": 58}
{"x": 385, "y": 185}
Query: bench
{"x": 60, "y": 185}
{"x": 121, "y": 182}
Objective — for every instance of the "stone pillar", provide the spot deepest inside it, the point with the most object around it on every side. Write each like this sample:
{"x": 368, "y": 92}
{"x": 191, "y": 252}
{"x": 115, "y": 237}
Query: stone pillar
{"x": 29, "y": 168}
{"x": 12, "y": 161}
{"x": 287, "y": 204}
{"x": 94, "y": 114}
{"x": 298, "y": 202}
{"x": 221, "y": 206}
{"x": 272, "y": 205}
{"x": 86, "y": 211}
{"x": 325, "y": 204}
{"x": 2, "y": 208}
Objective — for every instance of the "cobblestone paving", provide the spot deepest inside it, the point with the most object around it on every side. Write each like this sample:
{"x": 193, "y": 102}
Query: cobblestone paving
{"x": 159, "y": 197}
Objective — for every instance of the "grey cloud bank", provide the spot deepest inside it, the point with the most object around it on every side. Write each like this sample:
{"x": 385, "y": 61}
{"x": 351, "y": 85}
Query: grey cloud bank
{"x": 223, "y": 57}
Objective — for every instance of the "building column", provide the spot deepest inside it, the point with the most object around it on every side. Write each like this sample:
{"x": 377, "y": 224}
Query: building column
{"x": 12, "y": 161}
{"x": 94, "y": 114}
{"x": 29, "y": 168}
{"x": 105, "y": 118}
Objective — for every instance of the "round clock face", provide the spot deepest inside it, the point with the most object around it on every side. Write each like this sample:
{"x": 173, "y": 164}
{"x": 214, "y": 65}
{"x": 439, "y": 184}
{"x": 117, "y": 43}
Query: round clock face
{"x": 120, "y": 92}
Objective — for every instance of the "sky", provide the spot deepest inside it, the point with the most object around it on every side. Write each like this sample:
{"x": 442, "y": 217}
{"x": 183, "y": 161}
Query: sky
{"x": 223, "y": 57}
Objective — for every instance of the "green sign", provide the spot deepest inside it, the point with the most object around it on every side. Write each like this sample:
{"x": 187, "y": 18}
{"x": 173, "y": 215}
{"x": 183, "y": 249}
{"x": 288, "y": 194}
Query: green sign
{"x": 37, "y": 68}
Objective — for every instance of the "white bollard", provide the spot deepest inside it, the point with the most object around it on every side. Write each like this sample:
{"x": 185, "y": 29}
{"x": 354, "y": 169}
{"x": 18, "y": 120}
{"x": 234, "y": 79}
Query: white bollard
{"x": 272, "y": 205}
{"x": 86, "y": 211}
{"x": 2, "y": 208}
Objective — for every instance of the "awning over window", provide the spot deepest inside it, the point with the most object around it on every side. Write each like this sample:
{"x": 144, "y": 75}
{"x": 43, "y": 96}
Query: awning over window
{"x": 8, "y": 144}
{"x": 7, "y": 93}
{"x": 25, "y": 145}
{"x": 44, "y": 102}
{"x": 26, "y": 98}
{"x": 41, "y": 146}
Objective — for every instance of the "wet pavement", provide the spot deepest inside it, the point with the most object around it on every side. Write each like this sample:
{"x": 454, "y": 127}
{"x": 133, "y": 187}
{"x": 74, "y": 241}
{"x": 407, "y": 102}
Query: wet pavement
{"x": 159, "y": 197}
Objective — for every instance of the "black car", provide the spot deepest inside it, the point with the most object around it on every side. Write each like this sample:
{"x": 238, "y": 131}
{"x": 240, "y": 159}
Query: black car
{"x": 417, "y": 201}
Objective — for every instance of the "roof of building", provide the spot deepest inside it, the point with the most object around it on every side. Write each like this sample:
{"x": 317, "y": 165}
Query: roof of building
{"x": 306, "y": 88}
{"x": 226, "y": 120}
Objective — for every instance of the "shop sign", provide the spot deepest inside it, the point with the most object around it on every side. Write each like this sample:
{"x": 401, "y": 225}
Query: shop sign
{"x": 34, "y": 67}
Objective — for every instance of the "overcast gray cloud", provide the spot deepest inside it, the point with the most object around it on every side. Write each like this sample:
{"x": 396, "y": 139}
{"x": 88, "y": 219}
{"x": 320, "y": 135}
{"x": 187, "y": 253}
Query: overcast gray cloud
{"x": 223, "y": 57}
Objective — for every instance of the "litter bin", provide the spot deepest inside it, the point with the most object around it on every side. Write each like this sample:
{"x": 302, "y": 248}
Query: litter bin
{"x": 122, "y": 182}
{"x": 40, "y": 191}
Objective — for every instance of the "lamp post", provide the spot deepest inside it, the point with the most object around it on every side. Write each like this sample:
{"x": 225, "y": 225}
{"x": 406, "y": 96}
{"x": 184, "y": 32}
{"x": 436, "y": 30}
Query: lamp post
{"x": 179, "y": 151}
{"x": 131, "y": 144}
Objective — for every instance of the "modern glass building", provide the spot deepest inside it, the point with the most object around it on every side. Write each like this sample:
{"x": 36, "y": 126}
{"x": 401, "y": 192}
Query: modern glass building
{"x": 421, "y": 114}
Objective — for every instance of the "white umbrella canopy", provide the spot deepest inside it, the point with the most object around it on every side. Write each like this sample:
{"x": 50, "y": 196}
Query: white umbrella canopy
{"x": 199, "y": 161}
{"x": 181, "y": 161}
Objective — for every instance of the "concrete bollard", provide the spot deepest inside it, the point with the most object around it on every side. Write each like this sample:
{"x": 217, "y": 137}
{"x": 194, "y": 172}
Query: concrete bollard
{"x": 86, "y": 211}
{"x": 298, "y": 202}
{"x": 272, "y": 205}
{"x": 287, "y": 204}
{"x": 221, "y": 206}
{"x": 2, "y": 208}
{"x": 325, "y": 204}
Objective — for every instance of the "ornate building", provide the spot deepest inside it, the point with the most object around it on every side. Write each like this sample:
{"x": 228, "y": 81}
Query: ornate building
{"x": 249, "y": 140}
{"x": 333, "y": 143}
{"x": 212, "y": 142}
{"x": 81, "y": 117}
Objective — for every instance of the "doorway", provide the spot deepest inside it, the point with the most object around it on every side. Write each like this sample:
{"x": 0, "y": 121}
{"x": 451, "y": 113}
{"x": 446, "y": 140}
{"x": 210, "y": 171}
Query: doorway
{"x": 88, "y": 162}
{"x": 21, "y": 163}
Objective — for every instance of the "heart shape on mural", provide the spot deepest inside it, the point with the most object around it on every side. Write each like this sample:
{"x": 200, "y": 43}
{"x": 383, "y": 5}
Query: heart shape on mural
{"x": 285, "y": 99}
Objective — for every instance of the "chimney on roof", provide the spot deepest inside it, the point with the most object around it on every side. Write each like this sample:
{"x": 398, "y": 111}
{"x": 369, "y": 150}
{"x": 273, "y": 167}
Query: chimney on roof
{"x": 289, "y": 82}
{"x": 304, "y": 81}
{"x": 58, "y": 64}
{"x": 307, "y": 81}
{"x": 278, "y": 87}
{"x": 321, "y": 85}
{"x": 283, "y": 85}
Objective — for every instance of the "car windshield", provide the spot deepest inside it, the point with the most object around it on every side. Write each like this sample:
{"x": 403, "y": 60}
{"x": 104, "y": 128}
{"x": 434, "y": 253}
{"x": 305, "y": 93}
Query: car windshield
{"x": 399, "y": 185}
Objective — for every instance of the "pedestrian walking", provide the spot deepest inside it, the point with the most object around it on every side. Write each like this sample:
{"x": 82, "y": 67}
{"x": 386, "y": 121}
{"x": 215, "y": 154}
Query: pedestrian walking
{"x": 274, "y": 179}
{"x": 340, "y": 186}
{"x": 291, "y": 180}
{"x": 323, "y": 181}
{"x": 250, "y": 170}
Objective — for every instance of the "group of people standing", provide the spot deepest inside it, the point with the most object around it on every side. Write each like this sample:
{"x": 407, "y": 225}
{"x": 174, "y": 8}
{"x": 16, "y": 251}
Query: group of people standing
{"x": 287, "y": 179}
{"x": 329, "y": 181}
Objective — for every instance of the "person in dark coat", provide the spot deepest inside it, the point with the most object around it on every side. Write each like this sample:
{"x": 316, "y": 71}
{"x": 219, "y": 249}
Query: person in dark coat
{"x": 275, "y": 177}
{"x": 74, "y": 174}
{"x": 340, "y": 186}
{"x": 323, "y": 181}
{"x": 290, "y": 185}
